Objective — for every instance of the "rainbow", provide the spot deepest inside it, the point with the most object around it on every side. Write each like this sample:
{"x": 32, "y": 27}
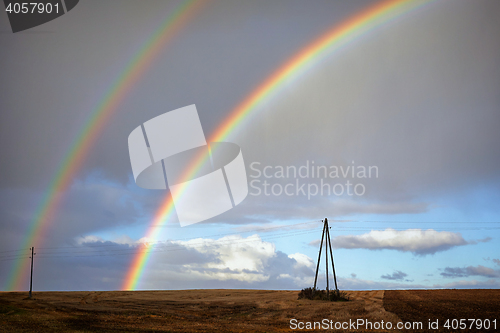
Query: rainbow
{"x": 88, "y": 135}
{"x": 336, "y": 37}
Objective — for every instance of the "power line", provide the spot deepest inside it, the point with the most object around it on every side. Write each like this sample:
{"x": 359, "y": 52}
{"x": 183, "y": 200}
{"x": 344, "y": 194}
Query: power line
{"x": 96, "y": 250}
{"x": 160, "y": 246}
{"x": 12, "y": 259}
{"x": 15, "y": 256}
{"x": 179, "y": 247}
{"x": 163, "y": 246}
{"x": 215, "y": 235}
{"x": 166, "y": 247}
{"x": 416, "y": 221}
{"x": 14, "y": 251}
{"x": 349, "y": 228}
{"x": 188, "y": 238}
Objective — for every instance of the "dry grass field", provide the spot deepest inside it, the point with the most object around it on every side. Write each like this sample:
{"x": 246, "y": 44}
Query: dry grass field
{"x": 422, "y": 305}
{"x": 233, "y": 310}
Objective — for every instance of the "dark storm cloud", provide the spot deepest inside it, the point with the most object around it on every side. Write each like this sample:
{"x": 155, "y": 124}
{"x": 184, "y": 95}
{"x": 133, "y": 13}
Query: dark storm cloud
{"x": 88, "y": 206}
{"x": 265, "y": 209}
{"x": 407, "y": 117}
{"x": 421, "y": 109}
{"x": 52, "y": 83}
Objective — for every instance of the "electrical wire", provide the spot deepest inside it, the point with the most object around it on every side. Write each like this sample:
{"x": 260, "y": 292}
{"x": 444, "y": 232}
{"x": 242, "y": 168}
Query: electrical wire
{"x": 170, "y": 245}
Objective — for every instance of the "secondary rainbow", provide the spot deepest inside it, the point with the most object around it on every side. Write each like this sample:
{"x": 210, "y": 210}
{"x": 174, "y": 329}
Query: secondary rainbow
{"x": 88, "y": 135}
{"x": 336, "y": 37}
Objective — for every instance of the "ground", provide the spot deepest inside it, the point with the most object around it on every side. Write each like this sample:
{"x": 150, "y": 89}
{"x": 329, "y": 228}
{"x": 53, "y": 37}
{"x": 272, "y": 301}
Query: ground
{"x": 236, "y": 310}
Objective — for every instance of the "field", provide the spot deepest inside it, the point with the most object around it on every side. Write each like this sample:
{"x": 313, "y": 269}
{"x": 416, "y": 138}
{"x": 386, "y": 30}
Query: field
{"x": 237, "y": 310}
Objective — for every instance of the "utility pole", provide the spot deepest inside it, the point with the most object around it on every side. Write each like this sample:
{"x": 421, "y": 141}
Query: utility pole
{"x": 319, "y": 257}
{"x": 331, "y": 255}
{"x": 326, "y": 260}
{"x": 31, "y": 278}
{"x": 328, "y": 246}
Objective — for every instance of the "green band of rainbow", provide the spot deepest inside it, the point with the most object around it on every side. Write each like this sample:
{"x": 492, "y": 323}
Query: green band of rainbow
{"x": 88, "y": 135}
{"x": 326, "y": 44}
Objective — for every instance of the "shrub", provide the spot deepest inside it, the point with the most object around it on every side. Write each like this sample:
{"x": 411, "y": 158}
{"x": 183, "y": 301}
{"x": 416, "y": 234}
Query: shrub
{"x": 317, "y": 294}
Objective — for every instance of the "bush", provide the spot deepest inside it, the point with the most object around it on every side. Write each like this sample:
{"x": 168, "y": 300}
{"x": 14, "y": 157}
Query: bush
{"x": 317, "y": 294}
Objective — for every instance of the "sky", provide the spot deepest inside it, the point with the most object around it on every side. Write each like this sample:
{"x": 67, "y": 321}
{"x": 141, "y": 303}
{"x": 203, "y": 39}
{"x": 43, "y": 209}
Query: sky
{"x": 412, "y": 107}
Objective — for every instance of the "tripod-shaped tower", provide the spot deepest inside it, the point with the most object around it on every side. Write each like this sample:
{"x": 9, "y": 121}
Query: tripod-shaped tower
{"x": 328, "y": 244}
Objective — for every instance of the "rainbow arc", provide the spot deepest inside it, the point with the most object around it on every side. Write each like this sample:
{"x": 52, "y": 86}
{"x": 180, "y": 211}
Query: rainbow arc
{"x": 100, "y": 116}
{"x": 329, "y": 42}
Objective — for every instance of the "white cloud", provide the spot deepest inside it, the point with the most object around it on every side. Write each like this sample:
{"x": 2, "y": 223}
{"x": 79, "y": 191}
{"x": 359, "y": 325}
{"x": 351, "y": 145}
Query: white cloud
{"x": 397, "y": 275}
{"x": 484, "y": 240}
{"x": 120, "y": 240}
{"x": 479, "y": 270}
{"x": 353, "y": 283}
{"x": 272, "y": 227}
{"x": 235, "y": 253}
{"x": 472, "y": 284}
{"x": 231, "y": 261}
{"x": 302, "y": 260}
{"x": 361, "y": 284}
{"x": 89, "y": 239}
{"x": 417, "y": 241}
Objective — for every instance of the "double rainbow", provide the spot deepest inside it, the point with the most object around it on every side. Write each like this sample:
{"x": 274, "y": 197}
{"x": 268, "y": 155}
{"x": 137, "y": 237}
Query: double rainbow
{"x": 326, "y": 44}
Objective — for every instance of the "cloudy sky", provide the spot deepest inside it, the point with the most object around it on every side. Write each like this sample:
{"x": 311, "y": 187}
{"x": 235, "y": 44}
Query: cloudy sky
{"x": 417, "y": 99}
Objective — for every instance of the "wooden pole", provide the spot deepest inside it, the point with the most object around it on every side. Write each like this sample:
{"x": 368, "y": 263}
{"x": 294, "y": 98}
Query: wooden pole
{"x": 326, "y": 261}
{"x": 331, "y": 255}
{"x": 31, "y": 278}
{"x": 319, "y": 257}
